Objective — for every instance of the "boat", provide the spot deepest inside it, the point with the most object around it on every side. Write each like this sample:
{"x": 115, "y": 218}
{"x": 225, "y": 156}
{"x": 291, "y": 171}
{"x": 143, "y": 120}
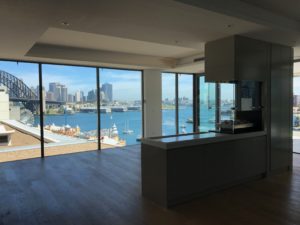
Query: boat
{"x": 139, "y": 138}
{"x": 114, "y": 131}
{"x": 183, "y": 131}
{"x": 88, "y": 109}
{"x": 118, "y": 109}
{"x": 189, "y": 120}
{"x": 134, "y": 108}
{"x": 182, "y": 126}
{"x": 111, "y": 141}
{"x": 127, "y": 130}
{"x": 69, "y": 110}
{"x": 111, "y": 137}
{"x": 105, "y": 110}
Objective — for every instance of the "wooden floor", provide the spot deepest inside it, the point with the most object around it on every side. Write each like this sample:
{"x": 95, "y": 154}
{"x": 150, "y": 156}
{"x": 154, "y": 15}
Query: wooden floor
{"x": 104, "y": 188}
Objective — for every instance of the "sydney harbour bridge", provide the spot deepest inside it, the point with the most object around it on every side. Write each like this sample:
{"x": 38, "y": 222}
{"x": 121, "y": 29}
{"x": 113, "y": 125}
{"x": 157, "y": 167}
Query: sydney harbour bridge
{"x": 19, "y": 92}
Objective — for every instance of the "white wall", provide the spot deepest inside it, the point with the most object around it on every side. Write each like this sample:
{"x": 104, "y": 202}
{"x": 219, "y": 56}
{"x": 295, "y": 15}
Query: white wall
{"x": 152, "y": 105}
{"x": 4, "y": 104}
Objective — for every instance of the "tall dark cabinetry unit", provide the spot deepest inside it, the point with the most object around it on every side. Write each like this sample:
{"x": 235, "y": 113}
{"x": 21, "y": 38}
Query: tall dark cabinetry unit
{"x": 267, "y": 67}
{"x": 281, "y": 81}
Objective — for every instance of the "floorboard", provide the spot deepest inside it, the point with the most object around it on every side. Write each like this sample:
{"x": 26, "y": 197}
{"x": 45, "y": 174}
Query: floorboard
{"x": 104, "y": 188}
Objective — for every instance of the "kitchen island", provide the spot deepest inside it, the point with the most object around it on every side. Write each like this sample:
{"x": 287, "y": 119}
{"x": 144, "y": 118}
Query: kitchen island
{"x": 179, "y": 168}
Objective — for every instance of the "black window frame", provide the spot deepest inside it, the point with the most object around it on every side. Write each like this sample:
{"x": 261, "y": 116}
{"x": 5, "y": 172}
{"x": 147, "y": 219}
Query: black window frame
{"x": 98, "y": 79}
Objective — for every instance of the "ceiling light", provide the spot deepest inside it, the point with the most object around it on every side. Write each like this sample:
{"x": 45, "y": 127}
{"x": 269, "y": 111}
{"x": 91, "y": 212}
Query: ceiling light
{"x": 65, "y": 23}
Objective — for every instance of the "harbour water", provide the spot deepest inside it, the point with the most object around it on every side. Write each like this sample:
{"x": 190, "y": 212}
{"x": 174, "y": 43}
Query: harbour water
{"x": 131, "y": 120}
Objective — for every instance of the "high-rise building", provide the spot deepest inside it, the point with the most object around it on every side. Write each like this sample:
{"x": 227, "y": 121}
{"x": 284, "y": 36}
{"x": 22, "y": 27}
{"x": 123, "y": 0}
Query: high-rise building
{"x": 64, "y": 93}
{"x": 78, "y": 96}
{"x": 52, "y": 86}
{"x": 82, "y": 99}
{"x": 92, "y": 97}
{"x": 108, "y": 91}
{"x": 57, "y": 93}
{"x": 37, "y": 91}
{"x": 70, "y": 98}
{"x": 296, "y": 100}
{"x": 50, "y": 96}
{"x": 102, "y": 96}
{"x": 60, "y": 91}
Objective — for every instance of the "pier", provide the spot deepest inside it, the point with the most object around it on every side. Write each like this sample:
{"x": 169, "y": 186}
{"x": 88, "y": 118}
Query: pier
{"x": 109, "y": 109}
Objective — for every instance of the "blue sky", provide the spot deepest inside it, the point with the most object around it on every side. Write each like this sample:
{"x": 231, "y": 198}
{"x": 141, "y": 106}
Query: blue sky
{"x": 185, "y": 83}
{"x": 297, "y": 85}
{"x": 126, "y": 83}
{"x": 185, "y": 89}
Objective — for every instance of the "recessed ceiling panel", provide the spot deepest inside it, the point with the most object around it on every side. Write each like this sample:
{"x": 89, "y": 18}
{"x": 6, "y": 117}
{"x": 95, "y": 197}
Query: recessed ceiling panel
{"x": 84, "y": 40}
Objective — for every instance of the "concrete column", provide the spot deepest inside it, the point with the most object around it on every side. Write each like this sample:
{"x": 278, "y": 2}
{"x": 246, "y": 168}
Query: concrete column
{"x": 4, "y": 103}
{"x": 152, "y": 104}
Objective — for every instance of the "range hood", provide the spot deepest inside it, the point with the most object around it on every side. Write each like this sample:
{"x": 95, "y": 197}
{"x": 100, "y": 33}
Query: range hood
{"x": 236, "y": 58}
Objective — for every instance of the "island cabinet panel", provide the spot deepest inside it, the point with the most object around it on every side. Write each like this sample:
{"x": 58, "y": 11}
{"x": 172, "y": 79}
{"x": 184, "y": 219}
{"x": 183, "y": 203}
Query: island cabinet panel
{"x": 200, "y": 169}
{"x": 250, "y": 157}
{"x": 154, "y": 174}
{"x": 196, "y": 170}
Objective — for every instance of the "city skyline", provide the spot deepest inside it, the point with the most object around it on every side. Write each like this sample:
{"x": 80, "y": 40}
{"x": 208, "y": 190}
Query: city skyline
{"x": 59, "y": 92}
{"x": 122, "y": 80}
{"x": 72, "y": 76}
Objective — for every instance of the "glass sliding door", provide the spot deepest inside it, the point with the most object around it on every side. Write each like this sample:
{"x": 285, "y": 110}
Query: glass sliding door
{"x": 168, "y": 104}
{"x": 296, "y": 108}
{"x": 19, "y": 111}
{"x": 121, "y": 107}
{"x": 207, "y": 105}
{"x": 70, "y": 109}
{"x": 185, "y": 103}
{"x": 296, "y": 103}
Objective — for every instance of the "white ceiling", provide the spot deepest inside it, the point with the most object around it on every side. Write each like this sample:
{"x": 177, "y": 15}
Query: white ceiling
{"x": 58, "y": 36}
{"x": 162, "y": 34}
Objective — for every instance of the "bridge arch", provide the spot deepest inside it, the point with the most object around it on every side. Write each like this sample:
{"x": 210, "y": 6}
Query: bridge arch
{"x": 16, "y": 87}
